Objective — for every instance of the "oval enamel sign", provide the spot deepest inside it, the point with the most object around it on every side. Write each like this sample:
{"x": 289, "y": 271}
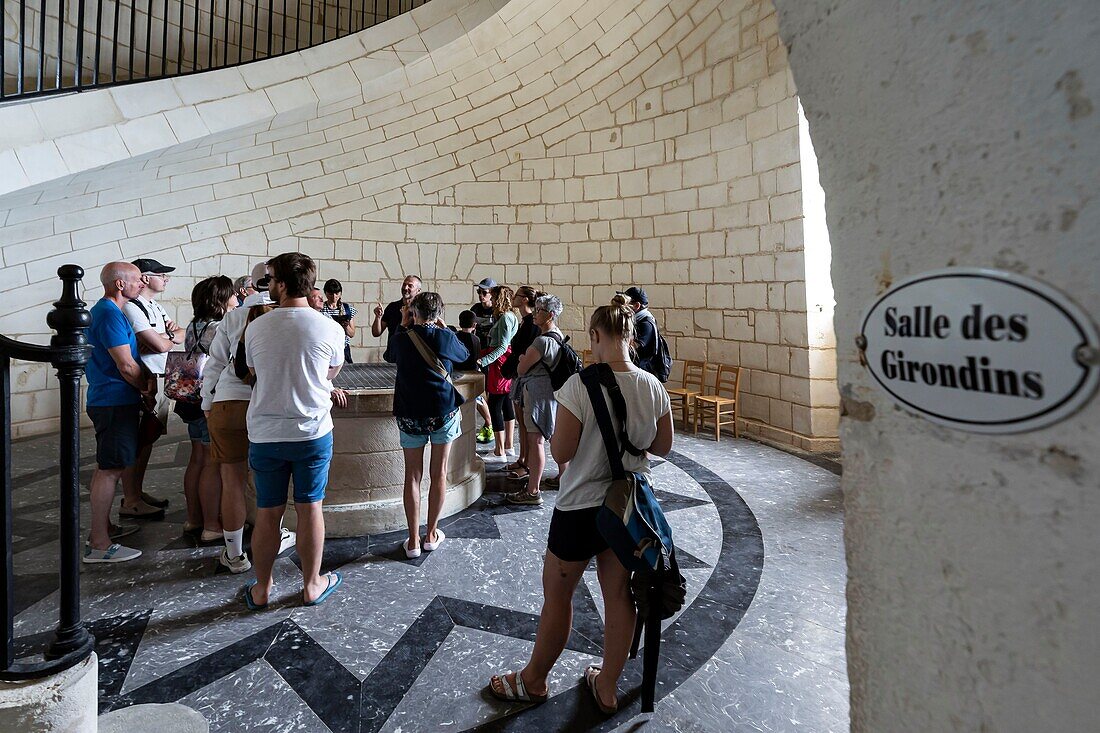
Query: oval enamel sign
{"x": 982, "y": 350}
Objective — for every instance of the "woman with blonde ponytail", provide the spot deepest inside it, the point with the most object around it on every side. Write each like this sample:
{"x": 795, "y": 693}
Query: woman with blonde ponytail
{"x": 574, "y": 538}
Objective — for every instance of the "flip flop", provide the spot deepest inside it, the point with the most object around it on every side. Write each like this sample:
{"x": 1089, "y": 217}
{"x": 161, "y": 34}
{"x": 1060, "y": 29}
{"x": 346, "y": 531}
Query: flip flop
{"x": 515, "y": 466}
{"x": 328, "y": 591}
{"x": 590, "y": 676}
{"x": 518, "y": 474}
{"x": 518, "y": 693}
{"x": 248, "y": 600}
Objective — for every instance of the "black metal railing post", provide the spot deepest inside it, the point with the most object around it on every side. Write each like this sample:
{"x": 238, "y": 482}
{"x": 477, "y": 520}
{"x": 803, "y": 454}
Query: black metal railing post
{"x": 70, "y": 321}
{"x": 7, "y": 654}
{"x": 69, "y": 353}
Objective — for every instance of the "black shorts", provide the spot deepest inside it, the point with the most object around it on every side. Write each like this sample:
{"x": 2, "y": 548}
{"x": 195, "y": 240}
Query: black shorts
{"x": 574, "y": 536}
{"x": 116, "y": 435}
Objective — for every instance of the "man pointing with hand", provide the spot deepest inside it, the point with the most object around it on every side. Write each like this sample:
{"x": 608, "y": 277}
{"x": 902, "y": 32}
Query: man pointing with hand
{"x": 389, "y": 318}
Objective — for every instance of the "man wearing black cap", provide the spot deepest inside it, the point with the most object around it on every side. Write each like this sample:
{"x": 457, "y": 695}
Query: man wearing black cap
{"x": 645, "y": 329}
{"x": 483, "y": 308}
{"x": 156, "y": 335}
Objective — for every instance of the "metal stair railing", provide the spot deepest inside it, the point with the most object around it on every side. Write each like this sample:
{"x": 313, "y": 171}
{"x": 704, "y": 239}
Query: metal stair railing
{"x": 69, "y": 352}
{"x": 60, "y": 46}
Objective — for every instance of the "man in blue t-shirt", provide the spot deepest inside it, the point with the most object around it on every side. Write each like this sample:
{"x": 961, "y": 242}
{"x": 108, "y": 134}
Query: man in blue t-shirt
{"x": 117, "y": 385}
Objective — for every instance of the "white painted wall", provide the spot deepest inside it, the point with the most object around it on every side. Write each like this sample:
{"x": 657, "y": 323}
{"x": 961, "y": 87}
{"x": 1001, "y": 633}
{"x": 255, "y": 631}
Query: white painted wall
{"x": 961, "y": 134}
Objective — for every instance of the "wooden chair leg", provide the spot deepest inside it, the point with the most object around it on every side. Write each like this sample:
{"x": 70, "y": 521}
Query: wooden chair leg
{"x": 736, "y": 430}
{"x": 695, "y": 421}
{"x": 717, "y": 423}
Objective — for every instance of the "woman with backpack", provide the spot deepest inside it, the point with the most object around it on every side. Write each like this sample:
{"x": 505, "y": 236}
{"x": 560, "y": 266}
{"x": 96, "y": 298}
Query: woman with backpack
{"x": 426, "y": 406}
{"x": 343, "y": 313}
{"x": 211, "y": 299}
{"x": 535, "y": 395}
{"x": 574, "y": 538}
{"x": 497, "y": 386}
{"x": 525, "y": 336}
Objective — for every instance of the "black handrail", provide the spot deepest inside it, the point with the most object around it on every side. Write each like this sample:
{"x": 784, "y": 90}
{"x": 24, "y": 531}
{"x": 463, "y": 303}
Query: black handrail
{"x": 224, "y": 26}
{"x": 69, "y": 353}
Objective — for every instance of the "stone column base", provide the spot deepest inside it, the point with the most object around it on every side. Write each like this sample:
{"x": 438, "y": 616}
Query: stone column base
{"x": 170, "y": 718}
{"x": 372, "y": 517}
{"x": 66, "y": 702}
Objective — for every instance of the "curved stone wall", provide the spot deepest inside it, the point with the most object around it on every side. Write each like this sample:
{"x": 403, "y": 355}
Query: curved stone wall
{"x": 572, "y": 145}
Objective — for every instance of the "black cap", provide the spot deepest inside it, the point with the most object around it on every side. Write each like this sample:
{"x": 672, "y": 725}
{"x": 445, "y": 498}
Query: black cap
{"x": 636, "y": 294}
{"x": 146, "y": 264}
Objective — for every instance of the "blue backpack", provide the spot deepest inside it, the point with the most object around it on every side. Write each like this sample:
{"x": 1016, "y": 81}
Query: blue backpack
{"x": 635, "y": 528}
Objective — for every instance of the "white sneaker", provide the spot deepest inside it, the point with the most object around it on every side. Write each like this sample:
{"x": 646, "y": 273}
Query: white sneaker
{"x": 236, "y": 565}
{"x": 114, "y": 553}
{"x": 287, "y": 539}
{"x": 410, "y": 554}
{"x": 439, "y": 537}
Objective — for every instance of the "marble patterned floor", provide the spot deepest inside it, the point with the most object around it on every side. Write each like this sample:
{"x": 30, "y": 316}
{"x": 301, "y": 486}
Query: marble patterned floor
{"x": 409, "y": 645}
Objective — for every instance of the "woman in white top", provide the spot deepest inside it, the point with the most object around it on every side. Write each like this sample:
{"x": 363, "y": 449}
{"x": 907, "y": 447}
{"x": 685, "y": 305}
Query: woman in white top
{"x": 574, "y": 538}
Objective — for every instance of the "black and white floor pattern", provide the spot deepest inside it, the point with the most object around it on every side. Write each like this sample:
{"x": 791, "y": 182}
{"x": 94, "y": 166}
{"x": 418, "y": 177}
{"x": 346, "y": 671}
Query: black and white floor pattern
{"x": 409, "y": 645}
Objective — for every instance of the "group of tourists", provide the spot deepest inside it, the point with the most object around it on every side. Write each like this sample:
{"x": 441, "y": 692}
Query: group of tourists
{"x": 271, "y": 345}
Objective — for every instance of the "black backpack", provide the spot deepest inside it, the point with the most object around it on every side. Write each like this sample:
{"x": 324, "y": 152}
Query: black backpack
{"x": 568, "y": 362}
{"x": 661, "y": 363}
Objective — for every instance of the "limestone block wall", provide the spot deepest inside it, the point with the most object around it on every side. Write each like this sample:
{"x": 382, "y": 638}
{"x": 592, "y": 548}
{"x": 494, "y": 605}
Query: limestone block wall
{"x": 575, "y": 146}
{"x": 960, "y": 136}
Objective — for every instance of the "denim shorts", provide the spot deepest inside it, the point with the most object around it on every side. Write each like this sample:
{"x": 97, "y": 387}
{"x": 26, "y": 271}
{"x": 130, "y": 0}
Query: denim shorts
{"x": 198, "y": 430}
{"x": 446, "y": 434}
{"x": 274, "y": 464}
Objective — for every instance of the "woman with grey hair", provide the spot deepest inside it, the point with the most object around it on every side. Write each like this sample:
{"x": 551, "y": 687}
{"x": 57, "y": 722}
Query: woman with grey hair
{"x": 242, "y": 288}
{"x": 426, "y": 406}
{"x": 537, "y": 395}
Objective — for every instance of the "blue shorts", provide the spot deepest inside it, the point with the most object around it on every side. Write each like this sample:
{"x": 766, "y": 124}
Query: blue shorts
{"x": 198, "y": 430}
{"x": 446, "y": 434}
{"x": 273, "y": 465}
{"x": 116, "y": 435}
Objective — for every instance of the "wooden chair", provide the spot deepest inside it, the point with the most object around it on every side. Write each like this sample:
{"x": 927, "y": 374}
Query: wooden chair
{"x": 691, "y": 386}
{"x": 726, "y": 382}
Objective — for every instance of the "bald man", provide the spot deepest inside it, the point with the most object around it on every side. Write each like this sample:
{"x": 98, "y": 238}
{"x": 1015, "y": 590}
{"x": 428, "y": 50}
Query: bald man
{"x": 389, "y": 319}
{"x": 117, "y": 385}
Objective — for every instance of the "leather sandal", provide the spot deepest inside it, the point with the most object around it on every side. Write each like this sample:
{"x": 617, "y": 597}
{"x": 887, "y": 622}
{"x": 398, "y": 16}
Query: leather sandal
{"x": 517, "y": 693}
{"x": 590, "y": 676}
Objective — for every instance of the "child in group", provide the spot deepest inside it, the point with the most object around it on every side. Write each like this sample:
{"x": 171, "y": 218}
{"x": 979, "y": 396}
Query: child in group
{"x": 467, "y": 334}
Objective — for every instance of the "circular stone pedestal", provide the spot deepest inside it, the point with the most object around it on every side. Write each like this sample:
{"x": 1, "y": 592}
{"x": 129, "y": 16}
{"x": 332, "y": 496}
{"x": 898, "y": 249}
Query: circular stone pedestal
{"x": 66, "y": 701}
{"x": 366, "y": 478}
{"x": 154, "y": 718}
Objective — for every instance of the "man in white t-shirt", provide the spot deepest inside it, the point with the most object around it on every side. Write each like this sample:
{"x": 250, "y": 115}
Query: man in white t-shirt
{"x": 295, "y": 352}
{"x": 156, "y": 335}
